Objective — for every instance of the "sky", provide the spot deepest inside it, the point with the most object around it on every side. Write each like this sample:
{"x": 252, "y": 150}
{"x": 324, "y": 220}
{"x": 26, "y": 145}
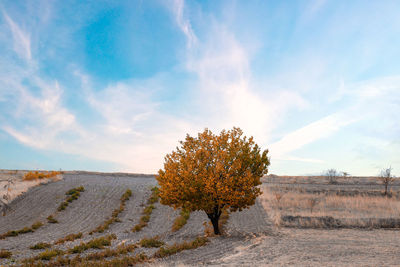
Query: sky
{"x": 115, "y": 85}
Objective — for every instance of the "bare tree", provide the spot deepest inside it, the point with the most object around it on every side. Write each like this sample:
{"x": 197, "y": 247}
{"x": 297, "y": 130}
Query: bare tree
{"x": 332, "y": 175}
{"x": 6, "y": 198}
{"x": 387, "y": 178}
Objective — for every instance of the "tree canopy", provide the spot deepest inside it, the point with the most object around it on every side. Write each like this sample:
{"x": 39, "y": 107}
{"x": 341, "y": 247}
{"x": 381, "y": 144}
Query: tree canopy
{"x": 212, "y": 173}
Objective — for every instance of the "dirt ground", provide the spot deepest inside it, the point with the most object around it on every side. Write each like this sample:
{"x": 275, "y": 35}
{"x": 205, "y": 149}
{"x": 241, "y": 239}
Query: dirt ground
{"x": 251, "y": 238}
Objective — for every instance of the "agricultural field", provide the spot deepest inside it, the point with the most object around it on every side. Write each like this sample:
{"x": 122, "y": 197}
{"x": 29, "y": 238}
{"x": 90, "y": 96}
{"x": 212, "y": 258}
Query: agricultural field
{"x": 116, "y": 219}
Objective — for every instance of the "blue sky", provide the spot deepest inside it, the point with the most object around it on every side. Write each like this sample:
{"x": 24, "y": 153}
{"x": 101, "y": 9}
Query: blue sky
{"x": 114, "y": 85}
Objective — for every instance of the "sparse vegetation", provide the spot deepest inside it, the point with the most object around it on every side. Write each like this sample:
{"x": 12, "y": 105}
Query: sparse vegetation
{"x": 181, "y": 220}
{"x": 178, "y": 247}
{"x": 49, "y": 254}
{"x": 332, "y": 175}
{"x": 114, "y": 216}
{"x": 24, "y": 230}
{"x": 30, "y": 176}
{"x": 5, "y": 254}
{"x": 70, "y": 237}
{"x": 386, "y": 178}
{"x": 120, "y": 250}
{"x": 72, "y": 194}
{"x": 97, "y": 243}
{"x": 40, "y": 245}
{"x": 147, "y": 210}
{"x": 153, "y": 242}
{"x": 321, "y": 209}
{"x": 51, "y": 219}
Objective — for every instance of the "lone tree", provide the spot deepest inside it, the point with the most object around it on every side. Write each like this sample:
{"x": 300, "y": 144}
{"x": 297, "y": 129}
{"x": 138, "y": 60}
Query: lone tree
{"x": 213, "y": 173}
{"x": 386, "y": 178}
{"x": 332, "y": 175}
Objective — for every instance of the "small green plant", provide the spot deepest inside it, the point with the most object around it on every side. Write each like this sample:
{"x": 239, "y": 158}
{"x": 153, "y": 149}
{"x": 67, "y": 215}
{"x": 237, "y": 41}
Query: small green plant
{"x": 73, "y": 194}
{"x": 151, "y": 242}
{"x": 154, "y": 195}
{"x": 97, "y": 243}
{"x": 37, "y": 225}
{"x": 51, "y": 219}
{"x": 40, "y": 245}
{"x": 5, "y": 254}
{"x": 70, "y": 237}
{"x": 49, "y": 254}
{"x": 181, "y": 220}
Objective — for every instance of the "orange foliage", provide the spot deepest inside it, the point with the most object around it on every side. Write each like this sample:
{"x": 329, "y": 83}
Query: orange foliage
{"x": 213, "y": 173}
{"x": 30, "y": 176}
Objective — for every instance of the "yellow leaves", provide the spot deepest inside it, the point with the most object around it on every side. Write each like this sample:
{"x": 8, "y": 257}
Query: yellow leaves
{"x": 210, "y": 171}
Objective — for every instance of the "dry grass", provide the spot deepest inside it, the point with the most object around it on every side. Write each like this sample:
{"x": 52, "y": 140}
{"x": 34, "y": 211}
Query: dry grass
{"x": 5, "y": 254}
{"x": 114, "y": 216}
{"x": 24, "y": 230}
{"x": 40, "y": 245}
{"x": 181, "y": 220}
{"x": 97, "y": 243}
{"x": 147, "y": 210}
{"x": 178, "y": 247}
{"x": 70, "y": 237}
{"x": 153, "y": 242}
{"x": 31, "y": 176}
{"x": 72, "y": 194}
{"x": 350, "y": 209}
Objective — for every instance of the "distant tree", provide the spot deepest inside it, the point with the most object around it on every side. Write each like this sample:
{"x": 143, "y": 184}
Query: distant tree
{"x": 332, "y": 175}
{"x": 387, "y": 178}
{"x": 345, "y": 174}
{"x": 213, "y": 173}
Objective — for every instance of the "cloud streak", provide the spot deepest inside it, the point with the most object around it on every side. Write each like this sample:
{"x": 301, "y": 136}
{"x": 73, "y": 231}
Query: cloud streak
{"x": 22, "y": 41}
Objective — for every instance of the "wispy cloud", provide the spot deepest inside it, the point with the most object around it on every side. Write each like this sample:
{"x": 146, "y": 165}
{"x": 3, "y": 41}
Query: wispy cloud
{"x": 183, "y": 23}
{"x": 22, "y": 41}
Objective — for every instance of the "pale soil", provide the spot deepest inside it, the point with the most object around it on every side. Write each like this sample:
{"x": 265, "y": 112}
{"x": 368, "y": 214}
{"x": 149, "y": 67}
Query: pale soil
{"x": 251, "y": 237}
{"x": 18, "y": 186}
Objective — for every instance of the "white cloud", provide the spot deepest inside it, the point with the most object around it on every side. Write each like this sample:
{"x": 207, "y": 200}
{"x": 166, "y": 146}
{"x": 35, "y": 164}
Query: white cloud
{"x": 183, "y": 23}
{"x": 22, "y": 41}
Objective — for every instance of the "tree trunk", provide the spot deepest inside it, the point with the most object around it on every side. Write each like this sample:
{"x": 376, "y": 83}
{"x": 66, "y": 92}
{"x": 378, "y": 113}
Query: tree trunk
{"x": 216, "y": 226}
{"x": 386, "y": 188}
{"x": 214, "y": 218}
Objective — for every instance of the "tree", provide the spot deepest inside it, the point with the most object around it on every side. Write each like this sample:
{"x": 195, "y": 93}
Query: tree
{"x": 213, "y": 173}
{"x": 345, "y": 174}
{"x": 332, "y": 175}
{"x": 386, "y": 178}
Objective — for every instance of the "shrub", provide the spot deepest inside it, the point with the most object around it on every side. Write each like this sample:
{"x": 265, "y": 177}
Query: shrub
{"x": 5, "y": 254}
{"x": 48, "y": 254}
{"x": 181, "y": 220}
{"x": 170, "y": 250}
{"x": 120, "y": 250}
{"x": 151, "y": 242}
{"x": 51, "y": 219}
{"x": 148, "y": 210}
{"x": 40, "y": 245}
{"x": 36, "y": 225}
{"x": 70, "y": 237}
{"x": 154, "y": 195}
{"x": 73, "y": 194}
{"x": 97, "y": 243}
{"x": 30, "y": 176}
